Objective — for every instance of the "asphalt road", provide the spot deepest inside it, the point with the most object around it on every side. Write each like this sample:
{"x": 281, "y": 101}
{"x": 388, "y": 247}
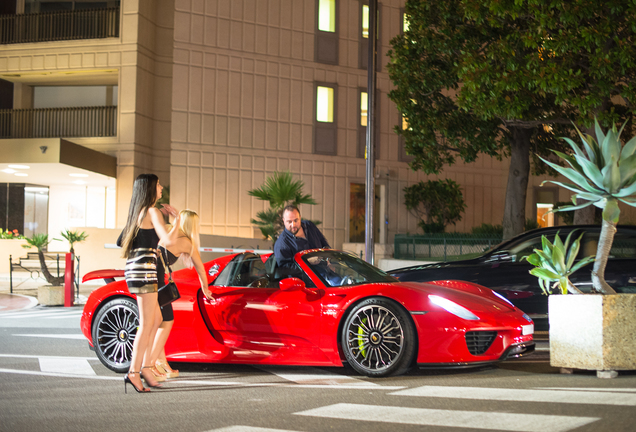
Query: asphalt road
{"x": 51, "y": 381}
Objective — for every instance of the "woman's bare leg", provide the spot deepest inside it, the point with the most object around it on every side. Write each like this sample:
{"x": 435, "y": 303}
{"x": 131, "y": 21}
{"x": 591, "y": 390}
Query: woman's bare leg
{"x": 146, "y": 304}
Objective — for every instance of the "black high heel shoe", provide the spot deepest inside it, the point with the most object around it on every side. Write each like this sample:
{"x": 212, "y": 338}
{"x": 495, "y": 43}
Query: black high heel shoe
{"x": 128, "y": 381}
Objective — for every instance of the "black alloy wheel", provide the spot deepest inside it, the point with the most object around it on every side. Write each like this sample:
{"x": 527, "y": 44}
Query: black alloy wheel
{"x": 114, "y": 330}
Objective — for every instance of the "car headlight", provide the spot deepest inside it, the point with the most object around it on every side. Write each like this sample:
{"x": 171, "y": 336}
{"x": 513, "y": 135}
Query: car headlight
{"x": 452, "y": 307}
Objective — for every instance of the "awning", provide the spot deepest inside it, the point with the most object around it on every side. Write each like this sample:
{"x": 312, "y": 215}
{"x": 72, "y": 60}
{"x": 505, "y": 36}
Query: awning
{"x": 54, "y": 161}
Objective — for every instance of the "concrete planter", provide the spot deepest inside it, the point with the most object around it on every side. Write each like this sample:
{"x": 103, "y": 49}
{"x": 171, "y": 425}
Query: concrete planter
{"x": 593, "y": 332}
{"x": 51, "y": 295}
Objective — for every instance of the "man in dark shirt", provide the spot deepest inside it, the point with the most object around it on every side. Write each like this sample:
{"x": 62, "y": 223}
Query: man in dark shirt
{"x": 297, "y": 236}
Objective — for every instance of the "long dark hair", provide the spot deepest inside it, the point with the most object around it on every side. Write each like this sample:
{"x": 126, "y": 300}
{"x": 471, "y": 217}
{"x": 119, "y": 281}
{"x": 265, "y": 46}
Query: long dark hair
{"x": 144, "y": 196}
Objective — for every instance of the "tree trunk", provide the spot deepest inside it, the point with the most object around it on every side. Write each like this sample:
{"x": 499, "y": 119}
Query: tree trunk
{"x": 605, "y": 240}
{"x": 515, "y": 206}
{"x": 56, "y": 281}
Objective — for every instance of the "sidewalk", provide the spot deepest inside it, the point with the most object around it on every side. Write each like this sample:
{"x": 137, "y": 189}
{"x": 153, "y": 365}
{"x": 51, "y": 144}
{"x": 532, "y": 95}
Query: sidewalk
{"x": 25, "y": 293}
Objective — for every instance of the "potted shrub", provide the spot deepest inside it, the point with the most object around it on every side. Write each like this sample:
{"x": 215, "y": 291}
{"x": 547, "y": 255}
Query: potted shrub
{"x": 594, "y": 331}
{"x": 53, "y": 293}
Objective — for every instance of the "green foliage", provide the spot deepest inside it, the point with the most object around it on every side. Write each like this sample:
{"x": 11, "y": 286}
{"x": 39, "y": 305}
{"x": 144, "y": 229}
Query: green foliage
{"x": 73, "y": 237}
{"x": 488, "y": 230}
{"x": 476, "y": 76}
{"x": 38, "y": 241}
{"x": 436, "y": 203}
{"x": 6, "y": 234}
{"x": 601, "y": 173}
{"x": 555, "y": 263}
{"x": 280, "y": 190}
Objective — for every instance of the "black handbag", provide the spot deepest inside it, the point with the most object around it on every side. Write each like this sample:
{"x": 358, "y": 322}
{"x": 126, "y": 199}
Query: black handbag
{"x": 169, "y": 292}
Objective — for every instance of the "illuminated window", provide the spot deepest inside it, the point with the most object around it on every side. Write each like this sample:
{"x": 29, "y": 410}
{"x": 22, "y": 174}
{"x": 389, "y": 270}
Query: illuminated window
{"x": 327, "y": 15}
{"x": 544, "y": 217}
{"x": 364, "y": 103}
{"x": 324, "y": 104}
{"x": 405, "y": 22}
{"x": 365, "y": 21}
{"x": 325, "y": 124}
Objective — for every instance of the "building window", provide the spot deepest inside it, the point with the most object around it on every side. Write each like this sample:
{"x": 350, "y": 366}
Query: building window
{"x": 326, "y": 44}
{"x": 327, "y": 15}
{"x": 325, "y": 125}
{"x": 364, "y": 36}
{"x": 324, "y": 104}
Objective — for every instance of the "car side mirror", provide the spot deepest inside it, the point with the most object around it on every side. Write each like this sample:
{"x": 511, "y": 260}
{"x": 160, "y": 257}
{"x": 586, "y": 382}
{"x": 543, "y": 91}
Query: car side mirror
{"x": 291, "y": 284}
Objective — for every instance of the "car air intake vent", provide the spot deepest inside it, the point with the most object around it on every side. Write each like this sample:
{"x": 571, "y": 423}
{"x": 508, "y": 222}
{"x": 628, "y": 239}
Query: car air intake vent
{"x": 478, "y": 342}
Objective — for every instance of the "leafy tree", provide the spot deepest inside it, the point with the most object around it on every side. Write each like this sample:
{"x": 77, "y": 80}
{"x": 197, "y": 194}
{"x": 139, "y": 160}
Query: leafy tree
{"x": 436, "y": 203}
{"x": 505, "y": 77}
{"x": 41, "y": 241}
{"x": 280, "y": 190}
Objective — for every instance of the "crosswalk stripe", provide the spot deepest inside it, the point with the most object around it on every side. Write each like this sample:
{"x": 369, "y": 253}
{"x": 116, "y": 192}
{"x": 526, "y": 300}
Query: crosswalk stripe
{"x": 309, "y": 375}
{"x": 522, "y": 395}
{"x": 248, "y": 429}
{"x": 625, "y": 390}
{"x": 47, "y": 357}
{"x": 69, "y": 366}
{"x": 459, "y": 419}
{"x": 39, "y": 314}
{"x": 54, "y": 336}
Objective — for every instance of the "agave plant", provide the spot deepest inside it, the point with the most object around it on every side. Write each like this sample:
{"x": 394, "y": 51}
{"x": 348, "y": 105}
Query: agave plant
{"x": 602, "y": 174}
{"x": 554, "y": 263}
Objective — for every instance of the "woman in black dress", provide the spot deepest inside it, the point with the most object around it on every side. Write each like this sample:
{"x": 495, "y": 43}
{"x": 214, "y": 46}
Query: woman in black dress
{"x": 144, "y": 228}
{"x": 182, "y": 243}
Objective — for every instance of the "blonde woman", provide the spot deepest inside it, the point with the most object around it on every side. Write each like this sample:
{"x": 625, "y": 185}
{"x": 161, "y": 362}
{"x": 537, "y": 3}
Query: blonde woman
{"x": 184, "y": 244}
{"x": 144, "y": 228}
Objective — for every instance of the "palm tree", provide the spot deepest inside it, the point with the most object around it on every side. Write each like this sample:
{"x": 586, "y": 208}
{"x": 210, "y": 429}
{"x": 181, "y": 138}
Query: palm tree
{"x": 280, "y": 190}
{"x": 40, "y": 241}
{"x": 73, "y": 237}
{"x": 603, "y": 174}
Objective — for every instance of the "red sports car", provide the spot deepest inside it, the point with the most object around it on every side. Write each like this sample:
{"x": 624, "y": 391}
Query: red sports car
{"x": 337, "y": 309}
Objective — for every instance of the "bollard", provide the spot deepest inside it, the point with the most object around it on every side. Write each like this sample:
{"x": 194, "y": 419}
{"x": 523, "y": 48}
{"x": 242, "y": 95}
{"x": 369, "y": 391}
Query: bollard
{"x": 69, "y": 292}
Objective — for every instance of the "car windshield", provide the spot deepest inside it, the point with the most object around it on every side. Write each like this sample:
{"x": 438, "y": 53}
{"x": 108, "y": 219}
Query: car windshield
{"x": 341, "y": 269}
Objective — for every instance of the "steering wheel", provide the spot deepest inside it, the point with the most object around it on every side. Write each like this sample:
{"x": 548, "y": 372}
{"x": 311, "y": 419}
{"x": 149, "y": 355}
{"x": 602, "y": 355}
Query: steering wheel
{"x": 348, "y": 280}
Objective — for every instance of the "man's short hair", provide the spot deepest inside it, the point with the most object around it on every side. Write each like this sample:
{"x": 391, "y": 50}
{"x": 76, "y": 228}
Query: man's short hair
{"x": 291, "y": 207}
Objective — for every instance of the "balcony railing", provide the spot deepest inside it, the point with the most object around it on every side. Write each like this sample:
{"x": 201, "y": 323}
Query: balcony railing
{"x": 62, "y": 25}
{"x": 59, "y": 122}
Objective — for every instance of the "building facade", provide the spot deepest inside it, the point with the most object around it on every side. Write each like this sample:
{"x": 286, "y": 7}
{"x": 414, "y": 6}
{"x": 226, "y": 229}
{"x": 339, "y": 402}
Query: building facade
{"x": 214, "y": 96}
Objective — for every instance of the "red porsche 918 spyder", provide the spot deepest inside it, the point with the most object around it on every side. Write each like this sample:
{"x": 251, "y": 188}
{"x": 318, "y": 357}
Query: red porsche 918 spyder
{"x": 337, "y": 309}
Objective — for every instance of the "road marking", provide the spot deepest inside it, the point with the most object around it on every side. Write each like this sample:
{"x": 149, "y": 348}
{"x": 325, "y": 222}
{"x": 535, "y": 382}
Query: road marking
{"x": 59, "y": 375}
{"x": 522, "y": 395}
{"x": 626, "y": 390}
{"x": 314, "y": 376}
{"x": 448, "y": 418}
{"x": 248, "y": 429}
{"x": 54, "y": 336}
{"x": 66, "y": 365}
{"x": 43, "y": 314}
{"x": 47, "y": 357}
